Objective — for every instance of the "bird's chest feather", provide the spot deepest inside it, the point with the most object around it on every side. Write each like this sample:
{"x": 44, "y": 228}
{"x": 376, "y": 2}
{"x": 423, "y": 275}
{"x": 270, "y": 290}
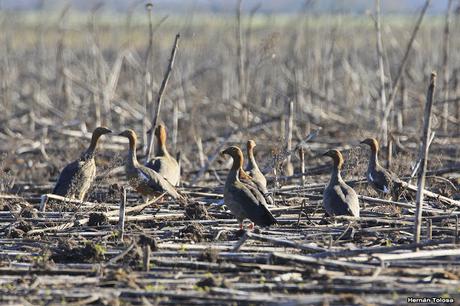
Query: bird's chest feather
{"x": 369, "y": 177}
{"x": 87, "y": 169}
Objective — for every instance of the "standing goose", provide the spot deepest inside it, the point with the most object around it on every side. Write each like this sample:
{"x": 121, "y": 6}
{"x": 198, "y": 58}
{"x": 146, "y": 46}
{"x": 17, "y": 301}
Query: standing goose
{"x": 243, "y": 198}
{"x": 254, "y": 172}
{"x": 163, "y": 163}
{"x": 144, "y": 180}
{"x": 76, "y": 178}
{"x": 339, "y": 199}
{"x": 382, "y": 180}
{"x": 251, "y": 168}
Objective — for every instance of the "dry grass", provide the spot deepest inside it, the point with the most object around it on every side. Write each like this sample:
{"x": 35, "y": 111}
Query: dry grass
{"x": 326, "y": 65}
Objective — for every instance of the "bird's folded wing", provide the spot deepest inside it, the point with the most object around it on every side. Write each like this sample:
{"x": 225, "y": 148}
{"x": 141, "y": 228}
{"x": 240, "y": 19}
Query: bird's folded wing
{"x": 66, "y": 176}
{"x": 157, "y": 182}
{"x": 345, "y": 195}
{"x": 253, "y": 203}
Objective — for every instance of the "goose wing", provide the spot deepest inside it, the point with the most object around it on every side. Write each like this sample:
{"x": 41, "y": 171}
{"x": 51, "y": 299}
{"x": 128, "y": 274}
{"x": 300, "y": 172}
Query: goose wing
{"x": 156, "y": 182}
{"x": 64, "y": 182}
{"x": 167, "y": 167}
{"x": 251, "y": 181}
{"x": 341, "y": 199}
{"x": 380, "y": 179}
{"x": 253, "y": 203}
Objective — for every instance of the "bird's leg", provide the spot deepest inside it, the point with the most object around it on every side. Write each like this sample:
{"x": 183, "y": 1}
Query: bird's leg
{"x": 251, "y": 226}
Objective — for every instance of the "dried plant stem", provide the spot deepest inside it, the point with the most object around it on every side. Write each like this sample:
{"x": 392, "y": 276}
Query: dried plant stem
{"x": 97, "y": 73}
{"x": 456, "y": 230}
{"x": 383, "y": 98}
{"x": 445, "y": 67}
{"x": 430, "y": 229}
{"x": 161, "y": 92}
{"x": 401, "y": 114}
{"x": 302, "y": 165}
{"x": 121, "y": 220}
{"x": 146, "y": 257}
{"x": 404, "y": 61}
{"x": 240, "y": 64}
{"x": 175, "y": 129}
{"x": 424, "y": 156}
{"x": 290, "y": 127}
{"x": 148, "y": 94}
{"x": 456, "y": 90}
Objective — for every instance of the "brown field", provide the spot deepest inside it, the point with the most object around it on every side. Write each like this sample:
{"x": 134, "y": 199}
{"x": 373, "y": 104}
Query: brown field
{"x": 64, "y": 73}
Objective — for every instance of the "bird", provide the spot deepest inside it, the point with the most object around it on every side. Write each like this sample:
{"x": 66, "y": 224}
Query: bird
{"x": 144, "y": 180}
{"x": 252, "y": 170}
{"x": 339, "y": 199}
{"x": 242, "y": 198}
{"x": 163, "y": 163}
{"x": 76, "y": 178}
{"x": 380, "y": 179}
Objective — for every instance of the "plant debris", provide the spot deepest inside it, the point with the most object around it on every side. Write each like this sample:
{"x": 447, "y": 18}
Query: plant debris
{"x": 196, "y": 211}
{"x": 98, "y": 219}
{"x": 70, "y": 251}
{"x": 193, "y": 231}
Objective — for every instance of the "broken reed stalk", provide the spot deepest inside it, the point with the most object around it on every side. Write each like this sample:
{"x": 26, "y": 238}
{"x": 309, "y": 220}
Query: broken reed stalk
{"x": 240, "y": 64}
{"x": 389, "y": 152}
{"x": 417, "y": 165}
{"x": 430, "y": 229}
{"x": 400, "y": 115}
{"x": 424, "y": 156}
{"x": 201, "y": 157}
{"x": 45, "y": 197}
{"x": 61, "y": 78}
{"x": 456, "y": 89}
{"x": 329, "y": 82}
{"x": 146, "y": 256}
{"x": 289, "y": 129}
{"x": 445, "y": 60}
{"x": 383, "y": 98}
{"x": 148, "y": 93}
{"x": 161, "y": 92}
{"x": 302, "y": 165}
{"x": 121, "y": 220}
{"x": 401, "y": 68}
{"x": 175, "y": 125}
{"x": 95, "y": 64}
{"x": 456, "y": 230}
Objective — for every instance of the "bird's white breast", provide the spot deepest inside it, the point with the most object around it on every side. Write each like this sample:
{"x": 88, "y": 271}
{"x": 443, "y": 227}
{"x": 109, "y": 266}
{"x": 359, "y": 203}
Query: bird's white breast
{"x": 143, "y": 177}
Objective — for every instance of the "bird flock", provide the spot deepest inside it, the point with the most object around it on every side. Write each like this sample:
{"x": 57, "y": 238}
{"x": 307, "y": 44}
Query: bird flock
{"x": 245, "y": 191}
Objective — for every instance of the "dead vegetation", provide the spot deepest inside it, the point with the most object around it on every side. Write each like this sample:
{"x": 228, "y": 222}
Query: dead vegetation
{"x": 275, "y": 81}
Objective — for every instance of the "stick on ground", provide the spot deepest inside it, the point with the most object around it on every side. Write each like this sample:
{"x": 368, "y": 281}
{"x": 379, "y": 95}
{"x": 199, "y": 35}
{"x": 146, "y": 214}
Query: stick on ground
{"x": 424, "y": 156}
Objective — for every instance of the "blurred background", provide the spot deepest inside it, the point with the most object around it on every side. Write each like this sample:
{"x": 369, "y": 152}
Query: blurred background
{"x": 225, "y": 6}
{"x": 269, "y": 70}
